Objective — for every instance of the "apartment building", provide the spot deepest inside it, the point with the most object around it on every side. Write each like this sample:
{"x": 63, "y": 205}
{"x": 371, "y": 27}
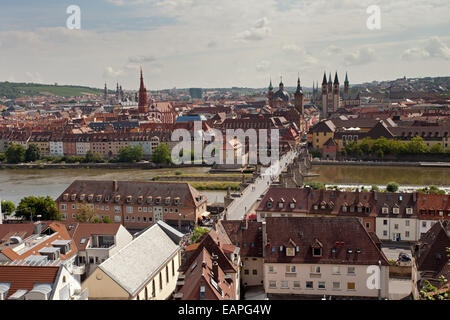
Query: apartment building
{"x": 315, "y": 257}
{"x": 136, "y": 205}
{"x": 430, "y": 209}
{"x": 145, "y": 269}
{"x": 396, "y": 216}
{"x": 95, "y": 244}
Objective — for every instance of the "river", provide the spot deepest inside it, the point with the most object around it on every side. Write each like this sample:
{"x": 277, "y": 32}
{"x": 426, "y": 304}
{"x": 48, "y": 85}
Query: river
{"x": 18, "y": 183}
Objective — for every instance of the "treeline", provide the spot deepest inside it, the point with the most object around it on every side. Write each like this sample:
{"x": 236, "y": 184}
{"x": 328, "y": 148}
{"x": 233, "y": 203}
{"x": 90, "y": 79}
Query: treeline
{"x": 382, "y": 146}
{"x": 17, "y": 153}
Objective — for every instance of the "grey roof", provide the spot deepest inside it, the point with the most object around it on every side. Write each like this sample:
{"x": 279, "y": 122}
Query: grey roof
{"x": 135, "y": 264}
{"x": 48, "y": 250}
{"x": 61, "y": 242}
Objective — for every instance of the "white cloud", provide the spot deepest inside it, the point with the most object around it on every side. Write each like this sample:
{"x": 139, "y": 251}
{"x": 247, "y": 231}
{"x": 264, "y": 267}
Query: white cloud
{"x": 437, "y": 48}
{"x": 259, "y": 31}
{"x": 415, "y": 54}
{"x": 34, "y": 77}
{"x": 110, "y": 73}
{"x": 141, "y": 59}
{"x": 333, "y": 50}
{"x": 361, "y": 56}
{"x": 300, "y": 53}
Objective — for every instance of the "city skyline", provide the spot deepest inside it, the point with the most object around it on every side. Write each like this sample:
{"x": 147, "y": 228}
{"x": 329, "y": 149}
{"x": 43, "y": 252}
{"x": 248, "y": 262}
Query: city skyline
{"x": 184, "y": 43}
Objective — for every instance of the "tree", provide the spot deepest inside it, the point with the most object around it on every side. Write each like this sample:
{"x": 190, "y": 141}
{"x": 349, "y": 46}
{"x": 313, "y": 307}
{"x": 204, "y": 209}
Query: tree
{"x": 85, "y": 213}
{"x": 366, "y": 145}
{"x": 198, "y": 232}
{"x": 2, "y": 157}
{"x": 8, "y": 207}
{"x": 162, "y": 154}
{"x": 416, "y": 146}
{"x": 431, "y": 190}
{"x": 92, "y": 157}
{"x": 33, "y": 153}
{"x": 375, "y": 188}
{"x": 15, "y": 153}
{"x": 437, "y": 148}
{"x": 131, "y": 154}
{"x": 392, "y": 187}
{"x": 34, "y": 206}
{"x": 316, "y": 185}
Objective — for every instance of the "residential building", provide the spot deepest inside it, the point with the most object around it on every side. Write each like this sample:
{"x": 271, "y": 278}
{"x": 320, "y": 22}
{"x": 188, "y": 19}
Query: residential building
{"x": 316, "y": 257}
{"x": 145, "y": 269}
{"x": 136, "y": 205}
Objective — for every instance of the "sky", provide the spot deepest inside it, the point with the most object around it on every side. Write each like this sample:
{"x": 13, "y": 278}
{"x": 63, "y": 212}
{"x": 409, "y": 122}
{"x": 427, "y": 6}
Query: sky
{"x": 221, "y": 43}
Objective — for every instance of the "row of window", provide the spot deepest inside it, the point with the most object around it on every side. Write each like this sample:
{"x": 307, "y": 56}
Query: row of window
{"x": 161, "y": 284}
{"x": 117, "y": 209}
{"x": 315, "y": 269}
{"x": 310, "y": 285}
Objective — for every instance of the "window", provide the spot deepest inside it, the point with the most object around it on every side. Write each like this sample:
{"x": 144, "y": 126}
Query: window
{"x": 321, "y": 284}
{"x": 255, "y": 272}
{"x": 116, "y": 218}
{"x": 396, "y": 210}
{"x": 385, "y": 210}
{"x": 424, "y": 224}
{"x": 367, "y": 225}
{"x": 409, "y": 210}
{"x": 271, "y": 269}
{"x": 272, "y": 284}
{"x": 140, "y": 209}
{"x": 309, "y": 285}
{"x": 407, "y": 223}
{"x": 117, "y": 209}
{"x": 296, "y": 284}
{"x": 246, "y": 272}
{"x": 336, "y": 270}
{"x": 407, "y": 234}
{"x": 173, "y": 268}
{"x": 167, "y": 274}
{"x": 336, "y": 285}
{"x": 284, "y": 284}
{"x": 63, "y": 206}
{"x": 144, "y": 209}
{"x": 351, "y": 286}
{"x": 315, "y": 269}
{"x": 290, "y": 269}
{"x": 317, "y": 252}
{"x": 351, "y": 270}
{"x": 160, "y": 281}
{"x": 396, "y": 226}
{"x": 132, "y": 219}
{"x": 129, "y": 209}
{"x": 385, "y": 222}
{"x": 385, "y": 233}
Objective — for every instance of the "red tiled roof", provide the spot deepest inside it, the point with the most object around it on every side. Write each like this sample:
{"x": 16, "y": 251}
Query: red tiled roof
{"x": 25, "y": 277}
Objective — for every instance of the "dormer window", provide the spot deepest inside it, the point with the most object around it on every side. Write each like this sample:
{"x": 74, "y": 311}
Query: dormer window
{"x": 117, "y": 198}
{"x": 82, "y": 197}
{"x": 409, "y": 210}
{"x": 167, "y": 200}
{"x": 73, "y": 197}
{"x": 106, "y": 198}
{"x": 395, "y": 210}
{"x": 269, "y": 204}
{"x": 317, "y": 252}
{"x": 149, "y": 200}
{"x": 140, "y": 199}
{"x": 129, "y": 199}
{"x": 177, "y": 201}
{"x": 280, "y": 205}
{"x": 66, "y": 196}
{"x": 344, "y": 209}
{"x": 385, "y": 210}
{"x": 157, "y": 200}
{"x": 292, "y": 205}
{"x": 99, "y": 197}
{"x": 90, "y": 197}
{"x": 316, "y": 207}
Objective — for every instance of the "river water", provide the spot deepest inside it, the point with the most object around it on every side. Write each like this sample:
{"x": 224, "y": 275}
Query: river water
{"x": 18, "y": 183}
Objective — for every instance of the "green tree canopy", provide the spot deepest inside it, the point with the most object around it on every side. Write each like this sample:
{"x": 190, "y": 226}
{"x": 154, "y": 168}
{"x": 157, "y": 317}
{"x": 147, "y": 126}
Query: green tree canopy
{"x": 162, "y": 154}
{"x": 392, "y": 187}
{"x": 437, "y": 148}
{"x": 131, "y": 154}
{"x": 33, "y": 153}
{"x": 198, "y": 232}
{"x": 416, "y": 146}
{"x": 43, "y": 206}
{"x": 8, "y": 207}
{"x": 15, "y": 153}
{"x": 85, "y": 213}
{"x": 316, "y": 185}
{"x": 92, "y": 157}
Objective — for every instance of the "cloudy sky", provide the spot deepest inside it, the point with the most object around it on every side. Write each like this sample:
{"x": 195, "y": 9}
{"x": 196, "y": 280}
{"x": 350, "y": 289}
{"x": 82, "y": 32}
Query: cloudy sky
{"x": 221, "y": 43}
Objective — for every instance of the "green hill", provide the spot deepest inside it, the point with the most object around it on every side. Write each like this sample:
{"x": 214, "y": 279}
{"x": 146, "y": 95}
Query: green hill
{"x": 16, "y": 90}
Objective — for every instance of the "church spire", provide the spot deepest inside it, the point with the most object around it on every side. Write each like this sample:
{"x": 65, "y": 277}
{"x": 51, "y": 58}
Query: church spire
{"x": 346, "y": 77}
{"x": 324, "y": 81}
{"x": 336, "y": 80}
{"x": 143, "y": 99}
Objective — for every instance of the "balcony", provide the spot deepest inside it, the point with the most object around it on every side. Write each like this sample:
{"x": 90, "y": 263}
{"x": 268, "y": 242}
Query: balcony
{"x": 80, "y": 270}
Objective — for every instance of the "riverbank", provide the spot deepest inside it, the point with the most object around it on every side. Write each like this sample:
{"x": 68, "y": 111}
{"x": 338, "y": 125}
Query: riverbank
{"x": 382, "y": 163}
{"x": 110, "y": 166}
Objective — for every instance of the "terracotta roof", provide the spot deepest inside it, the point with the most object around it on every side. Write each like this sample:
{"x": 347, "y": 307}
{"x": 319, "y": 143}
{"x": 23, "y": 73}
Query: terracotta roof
{"x": 25, "y": 277}
{"x": 79, "y": 231}
{"x": 341, "y": 234}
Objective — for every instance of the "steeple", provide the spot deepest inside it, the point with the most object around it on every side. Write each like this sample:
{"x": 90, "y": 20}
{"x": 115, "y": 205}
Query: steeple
{"x": 336, "y": 80}
{"x": 329, "y": 79}
{"x": 270, "y": 85}
{"x": 143, "y": 99}
{"x": 346, "y": 78}
{"x": 299, "y": 88}
{"x": 324, "y": 78}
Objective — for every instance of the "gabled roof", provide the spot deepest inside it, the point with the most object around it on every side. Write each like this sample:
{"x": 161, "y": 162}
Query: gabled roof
{"x": 334, "y": 232}
{"x": 25, "y": 277}
{"x": 136, "y": 263}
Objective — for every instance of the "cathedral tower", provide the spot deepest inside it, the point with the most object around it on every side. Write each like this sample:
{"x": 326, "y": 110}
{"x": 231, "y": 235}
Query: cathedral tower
{"x": 298, "y": 98}
{"x": 324, "y": 96}
{"x": 336, "y": 94}
{"x": 270, "y": 94}
{"x": 143, "y": 99}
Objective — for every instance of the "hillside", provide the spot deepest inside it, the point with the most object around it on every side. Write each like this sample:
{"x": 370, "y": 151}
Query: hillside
{"x": 16, "y": 90}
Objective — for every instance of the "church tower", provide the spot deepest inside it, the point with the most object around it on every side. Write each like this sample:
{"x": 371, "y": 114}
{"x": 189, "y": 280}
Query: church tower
{"x": 270, "y": 94}
{"x": 143, "y": 99}
{"x": 298, "y": 98}
{"x": 336, "y": 93}
{"x": 105, "y": 94}
{"x": 324, "y": 96}
{"x": 346, "y": 86}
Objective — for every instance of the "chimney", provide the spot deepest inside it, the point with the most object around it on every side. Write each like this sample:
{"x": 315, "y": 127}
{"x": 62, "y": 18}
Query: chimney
{"x": 37, "y": 228}
{"x": 414, "y": 197}
{"x": 115, "y": 185}
{"x": 215, "y": 268}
